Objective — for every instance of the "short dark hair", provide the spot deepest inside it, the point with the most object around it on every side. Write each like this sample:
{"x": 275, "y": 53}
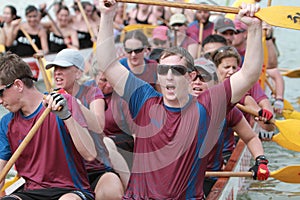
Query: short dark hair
{"x": 13, "y": 67}
{"x": 30, "y": 9}
{"x": 214, "y": 38}
{"x": 183, "y": 53}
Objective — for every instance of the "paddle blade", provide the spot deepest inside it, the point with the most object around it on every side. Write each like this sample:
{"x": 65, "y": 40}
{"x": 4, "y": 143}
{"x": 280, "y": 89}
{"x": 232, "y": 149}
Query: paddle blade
{"x": 285, "y": 143}
{"x": 290, "y": 129}
{"x": 292, "y": 73}
{"x": 281, "y": 16}
{"x": 289, "y": 174}
{"x": 291, "y": 114}
{"x": 287, "y": 105}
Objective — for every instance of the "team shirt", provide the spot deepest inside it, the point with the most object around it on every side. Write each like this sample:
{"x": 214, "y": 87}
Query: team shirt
{"x": 21, "y": 45}
{"x": 51, "y": 159}
{"x": 226, "y": 141}
{"x": 150, "y": 70}
{"x": 87, "y": 94}
{"x": 172, "y": 144}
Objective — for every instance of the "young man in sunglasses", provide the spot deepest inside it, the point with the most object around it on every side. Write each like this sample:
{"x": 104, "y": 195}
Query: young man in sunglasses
{"x": 174, "y": 131}
{"x": 52, "y": 164}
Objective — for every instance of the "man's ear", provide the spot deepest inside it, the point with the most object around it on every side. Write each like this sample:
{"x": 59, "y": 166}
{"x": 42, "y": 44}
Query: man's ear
{"x": 192, "y": 75}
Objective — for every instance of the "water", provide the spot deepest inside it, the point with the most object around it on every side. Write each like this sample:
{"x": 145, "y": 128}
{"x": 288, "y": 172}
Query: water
{"x": 288, "y": 45}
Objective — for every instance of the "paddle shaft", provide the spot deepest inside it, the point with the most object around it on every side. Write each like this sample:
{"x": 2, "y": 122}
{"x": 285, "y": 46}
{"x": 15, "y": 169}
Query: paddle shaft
{"x": 41, "y": 60}
{"x": 228, "y": 174}
{"x": 206, "y": 7}
{"x": 55, "y": 25}
{"x": 251, "y": 112}
{"x": 200, "y": 39}
{"x": 23, "y": 145}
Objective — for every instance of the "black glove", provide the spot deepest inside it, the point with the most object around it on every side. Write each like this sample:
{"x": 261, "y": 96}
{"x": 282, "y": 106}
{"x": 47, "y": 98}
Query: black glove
{"x": 64, "y": 112}
{"x": 260, "y": 169}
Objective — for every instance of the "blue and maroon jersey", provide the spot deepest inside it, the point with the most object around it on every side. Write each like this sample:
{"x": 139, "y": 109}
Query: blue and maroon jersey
{"x": 149, "y": 74}
{"x": 226, "y": 140}
{"x": 87, "y": 94}
{"x": 172, "y": 144}
{"x": 50, "y": 159}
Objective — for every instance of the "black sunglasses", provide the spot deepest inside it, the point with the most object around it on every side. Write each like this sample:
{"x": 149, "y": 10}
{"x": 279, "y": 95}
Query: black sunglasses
{"x": 10, "y": 84}
{"x": 178, "y": 70}
{"x": 177, "y": 24}
{"x": 203, "y": 77}
{"x": 5, "y": 88}
{"x": 136, "y": 51}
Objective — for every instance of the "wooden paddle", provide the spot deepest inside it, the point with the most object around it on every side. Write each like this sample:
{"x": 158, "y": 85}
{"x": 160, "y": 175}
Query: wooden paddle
{"x": 41, "y": 60}
{"x": 286, "y": 104}
{"x": 23, "y": 145}
{"x": 87, "y": 23}
{"x": 288, "y": 174}
{"x": 289, "y": 128}
{"x": 295, "y": 73}
{"x": 286, "y": 16}
{"x": 288, "y": 110}
{"x": 200, "y": 39}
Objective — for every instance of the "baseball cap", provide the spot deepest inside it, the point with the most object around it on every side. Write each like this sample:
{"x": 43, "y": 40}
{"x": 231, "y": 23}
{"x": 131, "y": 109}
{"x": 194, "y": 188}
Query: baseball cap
{"x": 160, "y": 32}
{"x": 239, "y": 26}
{"x": 206, "y": 67}
{"x": 67, "y": 58}
{"x": 177, "y": 18}
{"x": 223, "y": 24}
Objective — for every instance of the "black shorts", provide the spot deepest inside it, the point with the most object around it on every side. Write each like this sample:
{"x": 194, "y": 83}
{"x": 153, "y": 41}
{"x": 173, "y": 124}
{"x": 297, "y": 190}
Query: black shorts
{"x": 96, "y": 175}
{"x": 48, "y": 194}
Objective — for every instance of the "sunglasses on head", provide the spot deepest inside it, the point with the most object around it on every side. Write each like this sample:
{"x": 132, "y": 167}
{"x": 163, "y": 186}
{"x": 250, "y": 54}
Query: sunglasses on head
{"x": 136, "y": 51}
{"x": 178, "y": 70}
{"x": 159, "y": 42}
{"x": 240, "y": 31}
{"x": 222, "y": 50}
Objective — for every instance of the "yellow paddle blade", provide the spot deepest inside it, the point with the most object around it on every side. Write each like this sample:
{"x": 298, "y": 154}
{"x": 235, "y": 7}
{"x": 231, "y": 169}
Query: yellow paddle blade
{"x": 287, "y": 105}
{"x": 288, "y": 114}
{"x": 289, "y": 174}
{"x": 285, "y": 143}
{"x": 9, "y": 182}
{"x": 292, "y": 73}
{"x": 290, "y": 129}
{"x": 281, "y": 16}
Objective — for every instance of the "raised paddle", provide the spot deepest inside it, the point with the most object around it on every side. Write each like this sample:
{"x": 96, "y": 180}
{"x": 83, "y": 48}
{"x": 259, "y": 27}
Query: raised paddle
{"x": 285, "y": 142}
{"x": 41, "y": 59}
{"x": 281, "y": 16}
{"x": 201, "y": 27}
{"x": 289, "y": 128}
{"x": 23, "y": 145}
{"x": 288, "y": 174}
